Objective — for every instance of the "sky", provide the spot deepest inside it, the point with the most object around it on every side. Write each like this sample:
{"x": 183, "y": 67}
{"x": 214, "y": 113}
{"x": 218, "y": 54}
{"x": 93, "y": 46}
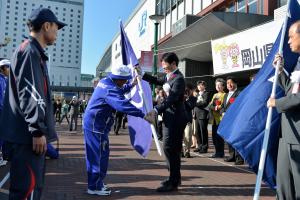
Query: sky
{"x": 101, "y": 24}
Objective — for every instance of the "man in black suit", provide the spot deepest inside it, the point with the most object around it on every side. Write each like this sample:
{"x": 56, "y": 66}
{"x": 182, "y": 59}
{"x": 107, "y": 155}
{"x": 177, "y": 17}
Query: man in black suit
{"x": 174, "y": 117}
{"x": 229, "y": 98}
{"x": 201, "y": 117}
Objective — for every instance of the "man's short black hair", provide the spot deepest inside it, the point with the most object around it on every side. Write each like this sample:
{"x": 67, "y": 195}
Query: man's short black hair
{"x": 201, "y": 82}
{"x": 34, "y": 27}
{"x": 189, "y": 86}
{"x": 170, "y": 58}
{"x": 231, "y": 78}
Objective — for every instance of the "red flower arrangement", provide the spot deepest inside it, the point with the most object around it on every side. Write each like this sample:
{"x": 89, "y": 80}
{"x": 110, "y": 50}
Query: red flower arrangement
{"x": 231, "y": 100}
{"x": 217, "y": 102}
{"x": 172, "y": 76}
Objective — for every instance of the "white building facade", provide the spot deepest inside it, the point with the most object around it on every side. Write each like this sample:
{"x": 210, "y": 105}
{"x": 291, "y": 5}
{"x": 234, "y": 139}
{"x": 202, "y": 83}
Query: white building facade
{"x": 140, "y": 31}
{"x": 65, "y": 56}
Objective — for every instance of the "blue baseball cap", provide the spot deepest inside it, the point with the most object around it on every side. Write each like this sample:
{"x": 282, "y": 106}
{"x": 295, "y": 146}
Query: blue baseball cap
{"x": 41, "y": 15}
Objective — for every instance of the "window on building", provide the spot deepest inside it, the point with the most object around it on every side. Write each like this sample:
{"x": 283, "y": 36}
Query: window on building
{"x": 241, "y": 6}
{"x": 282, "y": 2}
{"x": 253, "y": 6}
{"x": 261, "y": 7}
{"x": 75, "y": 78}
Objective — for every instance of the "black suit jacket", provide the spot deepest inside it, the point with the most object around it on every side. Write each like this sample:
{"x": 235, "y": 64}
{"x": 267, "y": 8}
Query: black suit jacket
{"x": 200, "y": 111}
{"x": 227, "y": 103}
{"x": 173, "y": 106}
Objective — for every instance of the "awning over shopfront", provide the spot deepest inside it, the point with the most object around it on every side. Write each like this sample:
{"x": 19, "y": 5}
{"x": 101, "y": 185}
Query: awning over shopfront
{"x": 194, "y": 42}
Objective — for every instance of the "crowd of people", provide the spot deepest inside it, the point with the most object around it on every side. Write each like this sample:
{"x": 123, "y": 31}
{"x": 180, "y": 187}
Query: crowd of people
{"x": 181, "y": 113}
{"x": 69, "y": 110}
{"x": 202, "y": 107}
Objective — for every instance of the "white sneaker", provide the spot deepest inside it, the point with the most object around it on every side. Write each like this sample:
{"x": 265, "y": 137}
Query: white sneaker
{"x": 2, "y": 162}
{"x": 105, "y": 187}
{"x": 102, "y": 192}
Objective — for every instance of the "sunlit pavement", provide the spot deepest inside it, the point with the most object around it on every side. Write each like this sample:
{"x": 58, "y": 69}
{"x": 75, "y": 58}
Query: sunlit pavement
{"x": 132, "y": 177}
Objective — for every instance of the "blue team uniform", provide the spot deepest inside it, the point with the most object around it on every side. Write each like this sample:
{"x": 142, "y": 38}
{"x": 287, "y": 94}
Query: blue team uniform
{"x": 3, "y": 81}
{"x": 98, "y": 120}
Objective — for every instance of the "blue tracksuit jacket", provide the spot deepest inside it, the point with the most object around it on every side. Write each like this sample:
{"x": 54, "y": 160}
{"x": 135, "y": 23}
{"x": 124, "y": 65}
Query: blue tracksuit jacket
{"x": 106, "y": 98}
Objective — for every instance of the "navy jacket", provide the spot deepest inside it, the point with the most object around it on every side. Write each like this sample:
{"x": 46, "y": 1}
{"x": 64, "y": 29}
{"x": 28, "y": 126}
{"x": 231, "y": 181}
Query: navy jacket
{"x": 27, "y": 107}
{"x": 106, "y": 98}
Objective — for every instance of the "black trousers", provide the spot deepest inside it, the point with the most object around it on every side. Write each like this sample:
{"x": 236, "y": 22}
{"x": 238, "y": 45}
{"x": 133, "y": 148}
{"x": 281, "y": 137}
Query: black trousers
{"x": 160, "y": 130}
{"x": 74, "y": 118}
{"x": 218, "y": 141}
{"x": 172, "y": 145}
{"x": 27, "y": 172}
{"x": 202, "y": 133}
{"x": 233, "y": 154}
{"x": 118, "y": 121}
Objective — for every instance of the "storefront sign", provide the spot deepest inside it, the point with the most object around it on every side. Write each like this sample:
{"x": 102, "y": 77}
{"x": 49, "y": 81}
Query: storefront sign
{"x": 245, "y": 50}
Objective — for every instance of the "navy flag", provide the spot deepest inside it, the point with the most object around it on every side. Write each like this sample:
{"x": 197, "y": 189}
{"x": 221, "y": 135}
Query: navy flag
{"x": 243, "y": 125}
{"x": 139, "y": 129}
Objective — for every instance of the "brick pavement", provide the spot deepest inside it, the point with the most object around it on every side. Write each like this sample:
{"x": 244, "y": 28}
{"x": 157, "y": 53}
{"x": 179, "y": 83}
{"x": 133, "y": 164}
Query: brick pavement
{"x": 133, "y": 177}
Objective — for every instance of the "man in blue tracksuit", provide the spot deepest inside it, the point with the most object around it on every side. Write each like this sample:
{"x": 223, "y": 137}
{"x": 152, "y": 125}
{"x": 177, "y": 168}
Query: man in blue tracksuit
{"x": 98, "y": 119}
{"x": 4, "y": 72}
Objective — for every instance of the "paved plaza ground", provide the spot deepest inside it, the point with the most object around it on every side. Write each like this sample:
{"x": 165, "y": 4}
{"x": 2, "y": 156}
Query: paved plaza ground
{"x": 132, "y": 177}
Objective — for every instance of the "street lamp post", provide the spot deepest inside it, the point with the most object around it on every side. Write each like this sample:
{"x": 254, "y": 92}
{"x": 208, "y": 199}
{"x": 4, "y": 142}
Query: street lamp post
{"x": 156, "y": 19}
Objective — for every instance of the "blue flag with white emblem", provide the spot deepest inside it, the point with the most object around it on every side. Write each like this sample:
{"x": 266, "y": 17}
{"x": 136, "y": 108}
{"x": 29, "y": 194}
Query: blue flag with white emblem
{"x": 243, "y": 125}
{"x": 139, "y": 130}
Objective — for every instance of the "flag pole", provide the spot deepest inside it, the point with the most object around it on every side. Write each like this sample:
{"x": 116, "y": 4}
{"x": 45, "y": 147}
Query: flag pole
{"x": 147, "y": 110}
{"x": 270, "y": 111}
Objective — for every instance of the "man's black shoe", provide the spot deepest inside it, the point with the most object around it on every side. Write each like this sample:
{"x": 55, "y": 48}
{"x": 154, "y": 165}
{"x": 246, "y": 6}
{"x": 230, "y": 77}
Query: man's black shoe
{"x": 217, "y": 156}
{"x": 239, "y": 162}
{"x": 167, "y": 182}
{"x": 167, "y": 188}
{"x": 229, "y": 159}
{"x": 187, "y": 155}
{"x": 182, "y": 154}
{"x": 203, "y": 151}
{"x": 197, "y": 150}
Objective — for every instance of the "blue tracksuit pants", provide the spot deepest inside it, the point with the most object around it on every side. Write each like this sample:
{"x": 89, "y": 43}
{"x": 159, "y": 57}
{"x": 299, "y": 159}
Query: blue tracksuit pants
{"x": 97, "y": 155}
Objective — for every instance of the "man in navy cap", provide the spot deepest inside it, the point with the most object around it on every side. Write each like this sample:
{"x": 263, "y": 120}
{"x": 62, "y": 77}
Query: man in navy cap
{"x": 98, "y": 119}
{"x": 26, "y": 125}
